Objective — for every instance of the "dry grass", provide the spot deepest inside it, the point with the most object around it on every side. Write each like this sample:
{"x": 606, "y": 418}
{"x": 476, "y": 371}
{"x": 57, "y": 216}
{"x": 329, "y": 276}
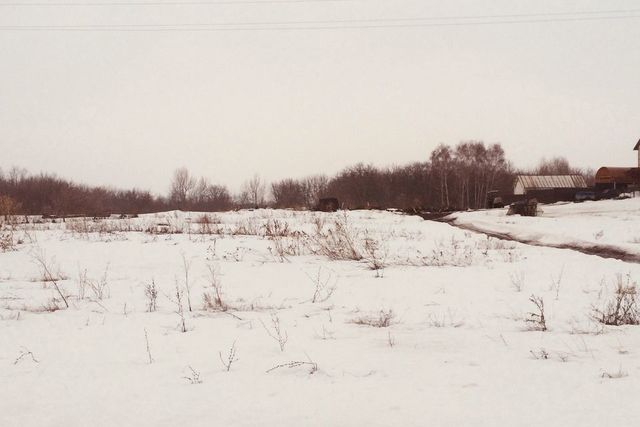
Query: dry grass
{"x": 622, "y": 309}
{"x": 383, "y": 319}
{"x": 213, "y": 298}
{"x": 338, "y": 241}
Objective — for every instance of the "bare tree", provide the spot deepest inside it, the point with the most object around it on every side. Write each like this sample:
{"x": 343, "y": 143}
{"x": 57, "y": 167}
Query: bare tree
{"x": 441, "y": 159}
{"x": 182, "y": 186}
{"x": 554, "y": 166}
{"x": 254, "y": 190}
{"x": 315, "y": 187}
{"x": 17, "y": 174}
{"x": 199, "y": 192}
{"x": 288, "y": 193}
{"x": 209, "y": 197}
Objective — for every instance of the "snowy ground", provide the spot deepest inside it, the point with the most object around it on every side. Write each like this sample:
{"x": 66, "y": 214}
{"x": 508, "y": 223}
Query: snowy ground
{"x": 613, "y": 223}
{"x": 458, "y": 350}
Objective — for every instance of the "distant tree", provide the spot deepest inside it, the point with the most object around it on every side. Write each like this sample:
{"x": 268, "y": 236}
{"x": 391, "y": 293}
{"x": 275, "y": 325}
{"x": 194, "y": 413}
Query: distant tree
{"x": 589, "y": 175}
{"x": 314, "y": 188}
{"x": 254, "y": 192}
{"x": 288, "y": 193}
{"x": 553, "y": 166}
{"x": 463, "y": 176}
{"x": 408, "y": 187}
{"x": 219, "y": 198}
{"x": 209, "y": 197}
{"x": 442, "y": 164}
{"x": 199, "y": 192}
{"x": 17, "y": 174}
{"x": 181, "y": 187}
{"x": 561, "y": 166}
{"x": 48, "y": 194}
{"x": 359, "y": 186}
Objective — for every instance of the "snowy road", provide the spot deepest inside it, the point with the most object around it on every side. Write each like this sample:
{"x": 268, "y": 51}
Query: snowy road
{"x": 609, "y": 229}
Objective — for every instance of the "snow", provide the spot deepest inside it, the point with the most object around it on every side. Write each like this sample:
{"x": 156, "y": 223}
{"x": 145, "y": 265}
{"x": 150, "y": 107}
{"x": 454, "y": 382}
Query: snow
{"x": 614, "y": 223}
{"x": 458, "y": 351}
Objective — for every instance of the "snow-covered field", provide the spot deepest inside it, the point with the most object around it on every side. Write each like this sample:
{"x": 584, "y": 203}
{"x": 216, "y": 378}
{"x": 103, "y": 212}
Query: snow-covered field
{"x": 428, "y": 328}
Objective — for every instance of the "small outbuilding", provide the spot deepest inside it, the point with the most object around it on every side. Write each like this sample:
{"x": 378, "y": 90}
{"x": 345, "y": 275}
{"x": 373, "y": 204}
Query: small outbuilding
{"x": 617, "y": 178}
{"x": 525, "y": 184}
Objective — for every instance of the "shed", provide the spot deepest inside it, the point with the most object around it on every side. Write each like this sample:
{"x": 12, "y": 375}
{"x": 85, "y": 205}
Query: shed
{"x": 526, "y": 183}
{"x": 614, "y": 177}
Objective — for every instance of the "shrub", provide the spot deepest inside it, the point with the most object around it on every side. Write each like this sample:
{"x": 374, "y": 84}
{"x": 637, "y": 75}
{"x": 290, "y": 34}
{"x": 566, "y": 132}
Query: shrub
{"x": 193, "y": 376}
{"x": 375, "y": 255}
{"x": 383, "y": 319}
{"x": 536, "y": 319}
{"x": 7, "y": 242}
{"x": 622, "y": 309}
{"x": 212, "y": 299}
{"x": 285, "y": 242}
{"x": 40, "y": 258}
{"x": 338, "y": 241}
{"x": 275, "y": 228}
{"x": 100, "y": 287}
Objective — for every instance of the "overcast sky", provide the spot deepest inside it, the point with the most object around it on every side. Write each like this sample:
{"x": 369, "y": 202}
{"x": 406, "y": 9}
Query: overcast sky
{"x": 126, "y": 108}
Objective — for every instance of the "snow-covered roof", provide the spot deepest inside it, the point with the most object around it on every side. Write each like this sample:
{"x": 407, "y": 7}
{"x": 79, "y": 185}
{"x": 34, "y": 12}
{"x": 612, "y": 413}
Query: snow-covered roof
{"x": 541, "y": 182}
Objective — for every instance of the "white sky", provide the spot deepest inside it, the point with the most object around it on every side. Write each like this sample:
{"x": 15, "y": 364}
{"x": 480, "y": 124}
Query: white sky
{"x": 126, "y": 108}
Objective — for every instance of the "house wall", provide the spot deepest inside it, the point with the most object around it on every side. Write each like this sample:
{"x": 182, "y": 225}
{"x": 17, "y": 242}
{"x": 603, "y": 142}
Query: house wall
{"x": 518, "y": 189}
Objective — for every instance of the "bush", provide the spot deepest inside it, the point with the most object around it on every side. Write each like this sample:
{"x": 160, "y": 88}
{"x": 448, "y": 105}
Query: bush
{"x": 7, "y": 242}
{"x": 622, "y": 309}
{"x": 338, "y": 241}
{"x": 536, "y": 319}
{"x": 286, "y": 242}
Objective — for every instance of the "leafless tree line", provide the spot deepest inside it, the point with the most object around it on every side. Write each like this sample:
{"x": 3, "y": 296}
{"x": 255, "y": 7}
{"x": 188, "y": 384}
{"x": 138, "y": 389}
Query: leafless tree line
{"x": 23, "y": 193}
{"x": 187, "y": 192}
{"x": 453, "y": 177}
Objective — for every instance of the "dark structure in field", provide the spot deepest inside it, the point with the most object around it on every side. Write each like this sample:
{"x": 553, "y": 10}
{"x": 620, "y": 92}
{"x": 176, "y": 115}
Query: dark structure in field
{"x": 549, "y": 188}
{"x": 525, "y": 184}
{"x": 329, "y": 204}
{"x": 543, "y": 188}
{"x": 617, "y": 178}
{"x": 527, "y": 207}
